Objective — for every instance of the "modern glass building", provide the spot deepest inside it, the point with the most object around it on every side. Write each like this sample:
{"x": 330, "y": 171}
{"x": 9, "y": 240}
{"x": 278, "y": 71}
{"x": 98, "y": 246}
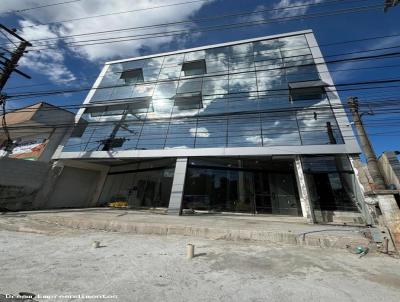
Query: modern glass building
{"x": 253, "y": 126}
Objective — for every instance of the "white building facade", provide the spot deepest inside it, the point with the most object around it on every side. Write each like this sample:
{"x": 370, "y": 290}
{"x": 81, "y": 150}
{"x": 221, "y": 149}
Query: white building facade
{"x": 253, "y": 126}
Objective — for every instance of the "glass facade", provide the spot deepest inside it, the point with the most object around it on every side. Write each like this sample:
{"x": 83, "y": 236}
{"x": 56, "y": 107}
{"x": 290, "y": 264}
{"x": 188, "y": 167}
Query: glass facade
{"x": 143, "y": 185}
{"x": 255, "y": 186}
{"x": 331, "y": 182}
{"x": 264, "y": 93}
{"x": 232, "y": 96}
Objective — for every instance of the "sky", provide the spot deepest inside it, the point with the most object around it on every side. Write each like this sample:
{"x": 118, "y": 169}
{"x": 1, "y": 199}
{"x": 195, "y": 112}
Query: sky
{"x": 62, "y": 62}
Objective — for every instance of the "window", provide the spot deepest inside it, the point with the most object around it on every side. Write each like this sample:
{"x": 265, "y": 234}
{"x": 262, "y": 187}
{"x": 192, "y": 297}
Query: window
{"x": 141, "y": 105}
{"x": 194, "y": 68}
{"x": 98, "y": 111}
{"x": 135, "y": 106}
{"x": 302, "y": 73}
{"x": 132, "y": 76}
{"x": 318, "y": 127}
{"x": 309, "y": 93}
{"x": 189, "y": 86}
{"x": 186, "y": 101}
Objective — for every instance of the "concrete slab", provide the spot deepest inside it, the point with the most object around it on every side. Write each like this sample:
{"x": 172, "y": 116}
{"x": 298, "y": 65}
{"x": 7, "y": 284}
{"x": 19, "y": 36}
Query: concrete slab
{"x": 137, "y": 268}
{"x": 267, "y": 229}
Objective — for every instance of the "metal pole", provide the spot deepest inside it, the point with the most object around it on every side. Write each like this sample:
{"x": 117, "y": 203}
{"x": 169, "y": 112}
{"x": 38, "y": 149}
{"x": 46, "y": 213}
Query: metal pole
{"x": 372, "y": 161}
{"x": 11, "y": 64}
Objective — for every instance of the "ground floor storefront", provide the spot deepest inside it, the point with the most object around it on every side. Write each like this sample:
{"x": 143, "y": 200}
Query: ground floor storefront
{"x": 317, "y": 187}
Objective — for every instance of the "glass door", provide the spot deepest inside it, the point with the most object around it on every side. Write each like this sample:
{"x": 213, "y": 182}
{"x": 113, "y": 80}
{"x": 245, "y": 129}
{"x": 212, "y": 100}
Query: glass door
{"x": 283, "y": 194}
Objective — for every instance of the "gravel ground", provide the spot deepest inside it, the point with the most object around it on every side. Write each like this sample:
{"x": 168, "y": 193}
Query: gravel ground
{"x": 153, "y": 268}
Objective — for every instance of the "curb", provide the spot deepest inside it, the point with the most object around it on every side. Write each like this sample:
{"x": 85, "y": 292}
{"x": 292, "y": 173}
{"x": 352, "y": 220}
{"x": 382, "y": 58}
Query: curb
{"x": 313, "y": 240}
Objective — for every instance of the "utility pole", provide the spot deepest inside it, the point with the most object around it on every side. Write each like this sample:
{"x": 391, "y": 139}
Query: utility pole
{"x": 372, "y": 161}
{"x": 384, "y": 198}
{"x": 10, "y": 66}
{"x": 389, "y": 3}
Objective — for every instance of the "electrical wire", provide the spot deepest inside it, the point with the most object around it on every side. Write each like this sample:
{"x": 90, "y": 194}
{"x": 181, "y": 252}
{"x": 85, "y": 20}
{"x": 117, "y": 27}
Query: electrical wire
{"x": 8, "y": 38}
{"x": 272, "y": 112}
{"x": 366, "y": 102}
{"x": 116, "y": 13}
{"x": 320, "y": 45}
{"x": 38, "y": 7}
{"x": 215, "y": 17}
{"x": 386, "y": 55}
{"x": 207, "y": 29}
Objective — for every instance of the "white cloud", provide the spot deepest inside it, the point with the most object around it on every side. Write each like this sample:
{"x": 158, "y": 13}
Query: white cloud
{"x": 257, "y": 15}
{"x": 255, "y": 139}
{"x": 200, "y": 132}
{"x": 50, "y": 62}
{"x": 300, "y": 7}
{"x": 102, "y": 52}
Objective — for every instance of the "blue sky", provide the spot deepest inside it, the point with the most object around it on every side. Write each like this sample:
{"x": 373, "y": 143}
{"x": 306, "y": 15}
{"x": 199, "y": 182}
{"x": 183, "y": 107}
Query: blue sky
{"x": 63, "y": 66}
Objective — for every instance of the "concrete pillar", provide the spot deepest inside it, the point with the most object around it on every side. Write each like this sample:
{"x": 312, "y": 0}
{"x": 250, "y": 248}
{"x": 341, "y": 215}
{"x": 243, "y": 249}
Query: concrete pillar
{"x": 99, "y": 187}
{"x": 55, "y": 172}
{"x": 178, "y": 184}
{"x": 305, "y": 201}
{"x": 47, "y": 189}
{"x": 390, "y": 167}
{"x": 391, "y": 215}
{"x": 362, "y": 182}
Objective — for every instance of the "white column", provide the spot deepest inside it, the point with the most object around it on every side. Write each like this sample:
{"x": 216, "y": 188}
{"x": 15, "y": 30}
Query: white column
{"x": 178, "y": 185}
{"x": 303, "y": 191}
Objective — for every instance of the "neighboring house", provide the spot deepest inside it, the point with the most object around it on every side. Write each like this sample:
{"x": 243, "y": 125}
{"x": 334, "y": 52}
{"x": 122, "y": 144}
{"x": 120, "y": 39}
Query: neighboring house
{"x": 25, "y": 164}
{"x": 35, "y": 131}
{"x": 390, "y": 166}
{"x": 252, "y": 126}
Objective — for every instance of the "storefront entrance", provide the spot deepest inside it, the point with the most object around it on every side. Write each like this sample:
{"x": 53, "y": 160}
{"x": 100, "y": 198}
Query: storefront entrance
{"x": 146, "y": 184}
{"x": 255, "y": 186}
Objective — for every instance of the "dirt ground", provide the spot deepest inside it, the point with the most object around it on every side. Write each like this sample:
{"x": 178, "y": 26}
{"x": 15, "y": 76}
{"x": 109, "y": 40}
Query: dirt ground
{"x": 63, "y": 265}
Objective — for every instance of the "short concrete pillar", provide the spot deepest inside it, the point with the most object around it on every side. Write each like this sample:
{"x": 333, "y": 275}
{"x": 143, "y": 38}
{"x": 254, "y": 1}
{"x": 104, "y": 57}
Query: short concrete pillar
{"x": 178, "y": 185}
{"x": 305, "y": 201}
{"x": 49, "y": 184}
{"x": 99, "y": 187}
{"x": 391, "y": 215}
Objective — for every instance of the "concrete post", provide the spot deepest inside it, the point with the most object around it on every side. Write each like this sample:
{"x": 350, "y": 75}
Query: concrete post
{"x": 391, "y": 215}
{"x": 178, "y": 185}
{"x": 54, "y": 172}
{"x": 372, "y": 161}
{"x": 361, "y": 182}
{"x": 390, "y": 167}
{"x": 305, "y": 201}
{"x": 99, "y": 187}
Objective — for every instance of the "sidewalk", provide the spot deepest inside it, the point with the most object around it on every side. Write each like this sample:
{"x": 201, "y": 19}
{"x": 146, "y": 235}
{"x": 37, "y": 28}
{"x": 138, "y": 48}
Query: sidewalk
{"x": 268, "y": 229}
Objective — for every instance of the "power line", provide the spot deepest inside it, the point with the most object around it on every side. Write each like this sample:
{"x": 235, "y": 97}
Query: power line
{"x": 10, "y": 67}
{"x": 367, "y": 102}
{"x": 141, "y": 123}
{"x": 11, "y": 41}
{"x": 117, "y": 13}
{"x": 215, "y": 17}
{"x": 231, "y": 134}
{"x": 378, "y": 108}
{"x": 211, "y": 28}
{"x": 38, "y": 7}
{"x": 320, "y": 45}
{"x": 332, "y": 71}
{"x": 390, "y": 55}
